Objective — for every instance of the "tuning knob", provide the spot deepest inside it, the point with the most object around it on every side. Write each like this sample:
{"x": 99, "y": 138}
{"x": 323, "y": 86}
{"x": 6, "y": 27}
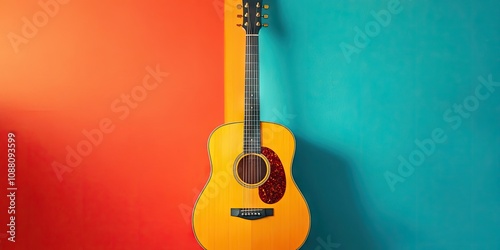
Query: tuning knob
{"x": 266, "y": 6}
{"x": 239, "y": 6}
{"x": 239, "y": 16}
{"x": 265, "y": 25}
{"x": 265, "y": 16}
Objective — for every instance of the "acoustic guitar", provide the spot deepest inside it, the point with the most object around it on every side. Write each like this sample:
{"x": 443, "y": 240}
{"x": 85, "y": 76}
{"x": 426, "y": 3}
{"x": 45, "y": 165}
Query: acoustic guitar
{"x": 251, "y": 200}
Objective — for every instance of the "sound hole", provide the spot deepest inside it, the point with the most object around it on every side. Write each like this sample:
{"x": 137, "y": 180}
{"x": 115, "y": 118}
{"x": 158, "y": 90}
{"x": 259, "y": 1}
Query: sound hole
{"x": 252, "y": 169}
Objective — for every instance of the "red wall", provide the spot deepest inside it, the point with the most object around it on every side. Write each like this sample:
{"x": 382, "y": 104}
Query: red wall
{"x": 104, "y": 158}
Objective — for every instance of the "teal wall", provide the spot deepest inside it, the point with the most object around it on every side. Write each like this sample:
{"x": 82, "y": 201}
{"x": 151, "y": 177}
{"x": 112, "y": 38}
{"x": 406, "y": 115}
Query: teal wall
{"x": 397, "y": 137}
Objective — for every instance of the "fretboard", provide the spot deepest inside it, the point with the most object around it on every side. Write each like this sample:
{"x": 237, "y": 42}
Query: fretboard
{"x": 252, "y": 100}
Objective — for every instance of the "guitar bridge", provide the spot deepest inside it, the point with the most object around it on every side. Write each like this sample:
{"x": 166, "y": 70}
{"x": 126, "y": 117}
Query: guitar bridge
{"x": 252, "y": 213}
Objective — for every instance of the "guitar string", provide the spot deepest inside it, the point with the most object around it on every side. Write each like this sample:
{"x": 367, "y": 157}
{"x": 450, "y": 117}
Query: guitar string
{"x": 246, "y": 110}
{"x": 255, "y": 55}
{"x": 254, "y": 136}
{"x": 256, "y": 122}
{"x": 255, "y": 108}
{"x": 254, "y": 111}
{"x": 252, "y": 115}
{"x": 250, "y": 74}
{"x": 249, "y": 121}
{"x": 250, "y": 118}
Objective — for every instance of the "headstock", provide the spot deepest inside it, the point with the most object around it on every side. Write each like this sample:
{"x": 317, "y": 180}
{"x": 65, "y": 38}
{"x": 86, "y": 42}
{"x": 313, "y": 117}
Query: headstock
{"x": 252, "y": 15}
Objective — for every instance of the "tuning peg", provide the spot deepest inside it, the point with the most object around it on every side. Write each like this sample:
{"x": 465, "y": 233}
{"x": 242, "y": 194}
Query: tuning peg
{"x": 239, "y": 24}
{"x": 265, "y": 25}
{"x": 266, "y": 6}
{"x": 239, "y": 16}
{"x": 265, "y": 16}
{"x": 239, "y": 6}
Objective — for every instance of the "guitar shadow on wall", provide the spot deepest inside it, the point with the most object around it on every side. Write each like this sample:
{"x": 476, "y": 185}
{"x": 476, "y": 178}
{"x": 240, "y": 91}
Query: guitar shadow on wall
{"x": 337, "y": 218}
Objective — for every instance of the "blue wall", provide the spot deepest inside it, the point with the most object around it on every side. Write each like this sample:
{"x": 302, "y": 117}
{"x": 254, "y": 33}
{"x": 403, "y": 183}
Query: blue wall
{"x": 397, "y": 126}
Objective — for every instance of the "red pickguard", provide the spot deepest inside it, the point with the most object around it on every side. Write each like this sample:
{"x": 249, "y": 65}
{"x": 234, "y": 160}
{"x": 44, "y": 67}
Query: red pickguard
{"x": 274, "y": 188}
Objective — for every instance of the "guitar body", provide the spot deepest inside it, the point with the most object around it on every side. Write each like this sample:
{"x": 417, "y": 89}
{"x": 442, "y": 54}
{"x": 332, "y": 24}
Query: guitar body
{"x": 216, "y": 223}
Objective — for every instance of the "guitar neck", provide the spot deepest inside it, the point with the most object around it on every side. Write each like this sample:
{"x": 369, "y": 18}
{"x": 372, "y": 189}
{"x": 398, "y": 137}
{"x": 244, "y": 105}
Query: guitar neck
{"x": 252, "y": 143}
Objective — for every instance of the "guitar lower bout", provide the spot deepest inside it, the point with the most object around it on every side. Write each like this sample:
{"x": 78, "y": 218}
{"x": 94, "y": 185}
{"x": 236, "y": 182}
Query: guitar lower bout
{"x": 251, "y": 200}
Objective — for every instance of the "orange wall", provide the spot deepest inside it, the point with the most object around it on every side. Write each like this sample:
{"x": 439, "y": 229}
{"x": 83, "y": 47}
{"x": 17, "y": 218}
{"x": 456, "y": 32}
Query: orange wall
{"x": 80, "y": 69}
{"x": 234, "y": 63}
